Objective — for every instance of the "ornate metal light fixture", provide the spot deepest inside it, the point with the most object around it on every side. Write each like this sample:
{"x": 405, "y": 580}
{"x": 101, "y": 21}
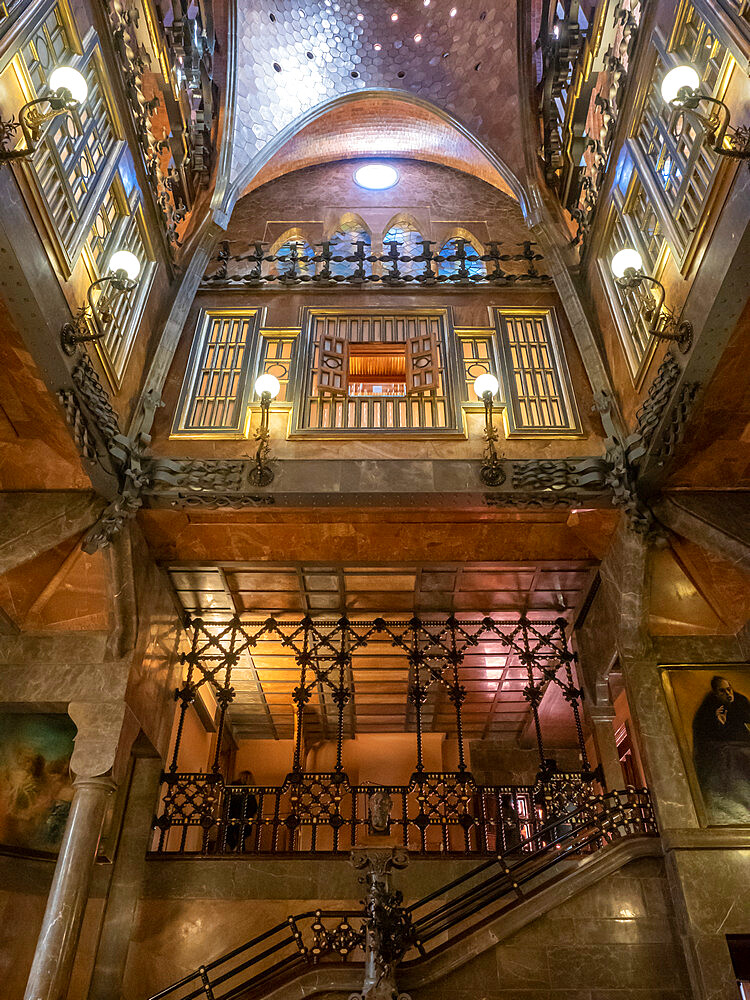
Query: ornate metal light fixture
{"x": 679, "y": 89}
{"x": 627, "y": 268}
{"x": 267, "y": 387}
{"x": 492, "y": 472}
{"x": 68, "y": 90}
{"x": 124, "y": 270}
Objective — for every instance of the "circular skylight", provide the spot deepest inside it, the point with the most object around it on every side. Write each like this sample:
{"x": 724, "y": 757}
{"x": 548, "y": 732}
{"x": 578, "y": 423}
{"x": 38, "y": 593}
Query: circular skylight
{"x": 376, "y": 176}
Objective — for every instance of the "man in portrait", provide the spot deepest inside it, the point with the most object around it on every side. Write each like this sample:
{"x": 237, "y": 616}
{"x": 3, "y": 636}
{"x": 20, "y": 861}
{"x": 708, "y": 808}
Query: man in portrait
{"x": 721, "y": 752}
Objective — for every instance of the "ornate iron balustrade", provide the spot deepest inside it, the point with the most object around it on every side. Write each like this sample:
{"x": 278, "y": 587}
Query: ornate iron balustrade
{"x": 303, "y": 941}
{"x": 324, "y": 813}
{"x": 392, "y": 269}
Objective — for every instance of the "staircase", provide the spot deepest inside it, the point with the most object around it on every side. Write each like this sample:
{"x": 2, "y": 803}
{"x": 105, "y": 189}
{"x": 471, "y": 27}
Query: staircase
{"x": 325, "y": 948}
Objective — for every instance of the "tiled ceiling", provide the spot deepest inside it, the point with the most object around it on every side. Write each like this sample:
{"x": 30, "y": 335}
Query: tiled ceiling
{"x": 294, "y": 56}
{"x": 265, "y": 679}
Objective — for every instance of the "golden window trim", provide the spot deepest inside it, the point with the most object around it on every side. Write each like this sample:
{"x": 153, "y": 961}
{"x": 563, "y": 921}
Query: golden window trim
{"x": 115, "y": 368}
{"x": 206, "y": 317}
{"x": 566, "y": 397}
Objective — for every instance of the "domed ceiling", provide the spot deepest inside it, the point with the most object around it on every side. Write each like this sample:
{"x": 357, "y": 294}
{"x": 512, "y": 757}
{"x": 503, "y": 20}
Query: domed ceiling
{"x": 296, "y": 58}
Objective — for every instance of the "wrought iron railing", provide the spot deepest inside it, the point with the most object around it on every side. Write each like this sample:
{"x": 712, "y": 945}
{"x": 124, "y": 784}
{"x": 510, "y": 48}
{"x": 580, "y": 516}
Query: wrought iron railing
{"x": 324, "y": 813}
{"x": 305, "y": 940}
{"x": 293, "y": 267}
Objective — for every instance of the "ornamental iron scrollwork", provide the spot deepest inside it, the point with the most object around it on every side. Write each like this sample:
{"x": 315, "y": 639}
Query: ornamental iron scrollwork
{"x": 256, "y": 268}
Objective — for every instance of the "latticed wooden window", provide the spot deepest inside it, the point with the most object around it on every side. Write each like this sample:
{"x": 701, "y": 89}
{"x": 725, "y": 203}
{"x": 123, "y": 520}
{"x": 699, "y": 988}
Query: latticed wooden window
{"x": 276, "y": 360}
{"x": 376, "y": 371}
{"x": 634, "y": 223}
{"x": 477, "y": 357}
{"x": 669, "y": 144}
{"x": 71, "y": 161}
{"x": 538, "y": 390}
{"x": 215, "y": 391}
{"x": 118, "y": 226}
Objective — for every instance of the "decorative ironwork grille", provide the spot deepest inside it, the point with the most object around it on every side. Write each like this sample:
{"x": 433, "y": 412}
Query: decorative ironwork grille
{"x": 215, "y": 391}
{"x": 324, "y": 812}
{"x": 539, "y": 390}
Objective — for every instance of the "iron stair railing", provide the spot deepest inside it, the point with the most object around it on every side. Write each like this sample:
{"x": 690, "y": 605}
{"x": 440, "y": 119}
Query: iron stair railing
{"x": 315, "y": 937}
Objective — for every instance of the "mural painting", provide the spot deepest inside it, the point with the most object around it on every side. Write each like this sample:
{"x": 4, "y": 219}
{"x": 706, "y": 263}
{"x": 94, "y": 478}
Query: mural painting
{"x": 711, "y": 710}
{"x": 35, "y": 780}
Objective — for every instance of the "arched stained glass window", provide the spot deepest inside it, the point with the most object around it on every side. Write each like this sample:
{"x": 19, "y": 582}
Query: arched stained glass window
{"x": 343, "y": 244}
{"x": 410, "y": 245}
{"x": 473, "y": 264}
{"x": 302, "y": 266}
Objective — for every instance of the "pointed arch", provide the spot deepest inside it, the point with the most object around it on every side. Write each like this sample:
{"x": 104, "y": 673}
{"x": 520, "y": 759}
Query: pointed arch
{"x": 351, "y": 230}
{"x": 291, "y": 241}
{"x": 472, "y": 249}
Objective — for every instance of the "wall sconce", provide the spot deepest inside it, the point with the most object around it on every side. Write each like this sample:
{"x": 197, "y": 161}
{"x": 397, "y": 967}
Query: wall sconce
{"x": 124, "y": 269}
{"x": 267, "y": 387}
{"x": 492, "y": 472}
{"x": 679, "y": 89}
{"x": 627, "y": 268}
{"x": 68, "y": 90}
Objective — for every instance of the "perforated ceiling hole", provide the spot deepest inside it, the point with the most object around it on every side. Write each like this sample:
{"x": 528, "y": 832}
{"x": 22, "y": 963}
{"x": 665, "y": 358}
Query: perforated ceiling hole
{"x": 277, "y": 67}
{"x": 354, "y": 74}
{"x": 272, "y": 17}
{"x": 445, "y": 55}
{"x": 483, "y": 15}
{"x": 477, "y": 66}
{"x": 310, "y": 55}
{"x": 401, "y": 74}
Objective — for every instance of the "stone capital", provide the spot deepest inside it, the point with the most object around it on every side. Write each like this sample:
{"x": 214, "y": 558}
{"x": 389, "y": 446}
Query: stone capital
{"x": 99, "y": 726}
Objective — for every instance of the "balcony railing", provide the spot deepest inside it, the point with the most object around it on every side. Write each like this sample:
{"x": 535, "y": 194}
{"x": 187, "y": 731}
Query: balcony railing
{"x": 292, "y": 267}
{"x": 285, "y": 952}
{"x": 437, "y": 813}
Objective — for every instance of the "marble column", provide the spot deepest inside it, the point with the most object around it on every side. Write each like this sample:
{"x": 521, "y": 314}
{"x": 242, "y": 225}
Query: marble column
{"x": 58, "y": 938}
{"x": 602, "y": 718}
{"x": 127, "y": 877}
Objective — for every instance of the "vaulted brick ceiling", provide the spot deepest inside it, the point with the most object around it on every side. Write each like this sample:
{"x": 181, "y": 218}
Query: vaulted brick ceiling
{"x": 381, "y": 126}
{"x": 295, "y": 57}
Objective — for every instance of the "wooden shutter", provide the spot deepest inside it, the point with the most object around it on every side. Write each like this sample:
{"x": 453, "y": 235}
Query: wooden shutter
{"x": 332, "y": 338}
{"x": 422, "y": 362}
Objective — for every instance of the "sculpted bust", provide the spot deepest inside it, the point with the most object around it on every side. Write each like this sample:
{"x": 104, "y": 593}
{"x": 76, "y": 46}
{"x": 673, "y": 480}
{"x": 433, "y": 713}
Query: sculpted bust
{"x": 380, "y": 805}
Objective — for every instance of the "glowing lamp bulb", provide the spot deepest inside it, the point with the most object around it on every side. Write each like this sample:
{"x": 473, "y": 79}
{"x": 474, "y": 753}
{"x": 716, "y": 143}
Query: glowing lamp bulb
{"x": 626, "y": 260}
{"x": 67, "y": 78}
{"x": 676, "y": 79}
{"x": 124, "y": 260}
{"x": 267, "y": 383}
{"x": 486, "y": 382}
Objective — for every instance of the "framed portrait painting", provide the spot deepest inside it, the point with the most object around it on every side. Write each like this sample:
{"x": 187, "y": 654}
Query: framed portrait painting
{"x": 710, "y": 709}
{"x": 35, "y": 780}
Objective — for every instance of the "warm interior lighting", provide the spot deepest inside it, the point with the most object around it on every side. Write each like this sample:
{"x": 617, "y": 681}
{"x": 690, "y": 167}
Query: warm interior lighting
{"x": 124, "y": 260}
{"x": 67, "y": 78}
{"x": 394, "y": 16}
{"x": 417, "y": 38}
{"x": 267, "y": 383}
{"x": 376, "y": 176}
{"x": 676, "y": 79}
{"x": 486, "y": 382}
{"x": 626, "y": 260}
